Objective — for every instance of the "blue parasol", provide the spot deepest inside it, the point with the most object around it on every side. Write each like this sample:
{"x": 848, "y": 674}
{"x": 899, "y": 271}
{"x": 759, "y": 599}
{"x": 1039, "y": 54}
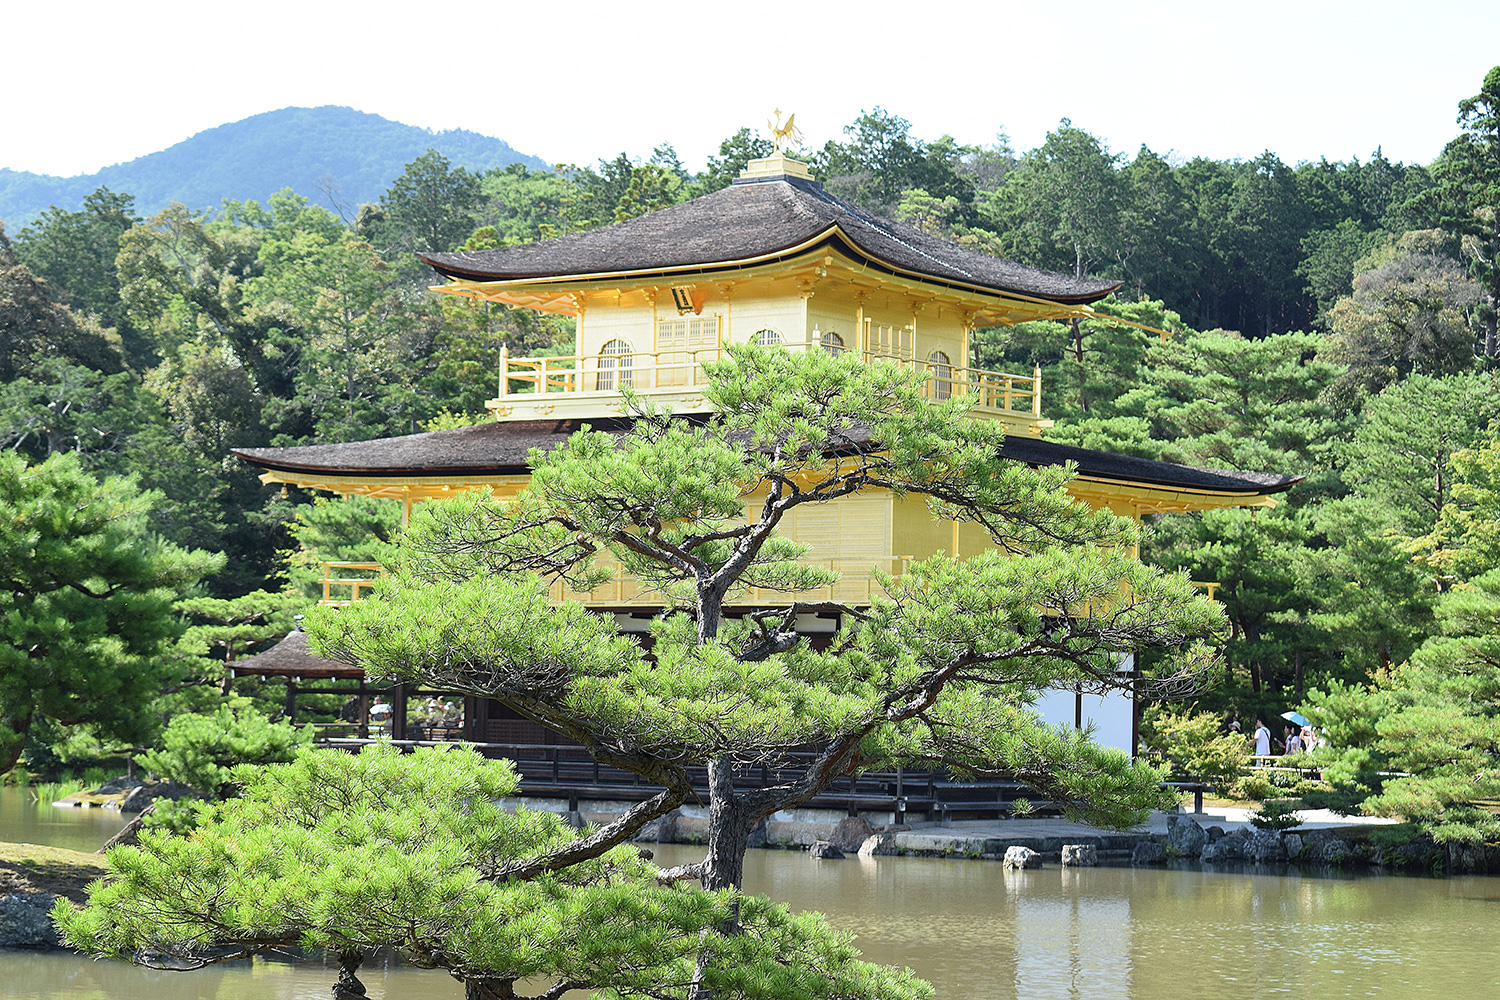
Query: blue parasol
{"x": 1298, "y": 718}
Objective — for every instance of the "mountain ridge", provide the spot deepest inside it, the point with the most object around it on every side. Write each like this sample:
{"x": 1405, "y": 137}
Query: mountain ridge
{"x": 255, "y": 157}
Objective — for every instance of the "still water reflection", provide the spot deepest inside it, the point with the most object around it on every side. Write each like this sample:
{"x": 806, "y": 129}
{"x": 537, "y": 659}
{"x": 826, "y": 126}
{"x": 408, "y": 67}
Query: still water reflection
{"x": 25, "y": 819}
{"x": 977, "y": 931}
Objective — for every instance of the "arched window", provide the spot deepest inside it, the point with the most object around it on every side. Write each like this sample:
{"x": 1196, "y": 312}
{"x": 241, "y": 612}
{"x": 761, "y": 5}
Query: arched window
{"x": 942, "y": 375}
{"x": 615, "y": 357}
{"x": 832, "y": 343}
{"x": 767, "y": 338}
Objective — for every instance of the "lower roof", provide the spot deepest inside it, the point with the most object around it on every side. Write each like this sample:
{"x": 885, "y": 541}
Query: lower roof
{"x": 502, "y": 448}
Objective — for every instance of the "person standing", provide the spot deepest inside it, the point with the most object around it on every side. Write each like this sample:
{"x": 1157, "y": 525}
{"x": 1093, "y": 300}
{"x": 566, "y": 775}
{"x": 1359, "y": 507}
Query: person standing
{"x": 1262, "y": 737}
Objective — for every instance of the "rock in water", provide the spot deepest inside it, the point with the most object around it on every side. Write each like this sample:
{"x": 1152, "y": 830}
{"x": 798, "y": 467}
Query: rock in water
{"x": 1293, "y": 844}
{"x": 825, "y": 851}
{"x": 1080, "y": 856}
{"x": 1148, "y": 852}
{"x": 143, "y": 795}
{"x": 1265, "y": 845}
{"x": 25, "y": 922}
{"x": 851, "y": 833}
{"x": 1022, "y": 857}
{"x": 1186, "y": 838}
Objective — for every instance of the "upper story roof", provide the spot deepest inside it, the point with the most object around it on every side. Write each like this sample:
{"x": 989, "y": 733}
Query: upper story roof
{"x": 754, "y": 220}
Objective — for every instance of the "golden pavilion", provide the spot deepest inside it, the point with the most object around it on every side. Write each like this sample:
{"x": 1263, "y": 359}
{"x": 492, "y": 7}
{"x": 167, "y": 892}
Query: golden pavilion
{"x": 777, "y": 260}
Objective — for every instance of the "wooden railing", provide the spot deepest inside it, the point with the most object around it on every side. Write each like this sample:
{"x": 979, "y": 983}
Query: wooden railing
{"x": 562, "y": 770}
{"x": 856, "y": 584}
{"x": 992, "y": 390}
{"x": 656, "y": 371}
{"x": 344, "y": 579}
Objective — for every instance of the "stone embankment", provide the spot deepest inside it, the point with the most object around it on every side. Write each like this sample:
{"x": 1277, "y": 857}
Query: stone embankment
{"x": 1169, "y": 837}
{"x": 1336, "y": 846}
{"x": 31, "y": 880}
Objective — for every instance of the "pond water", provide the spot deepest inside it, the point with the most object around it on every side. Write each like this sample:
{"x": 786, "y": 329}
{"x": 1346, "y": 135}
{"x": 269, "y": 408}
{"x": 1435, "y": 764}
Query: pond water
{"x": 975, "y": 930}
{"x": 27, "y": 819}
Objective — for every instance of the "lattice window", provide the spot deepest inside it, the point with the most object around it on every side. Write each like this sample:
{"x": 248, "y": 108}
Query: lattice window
{"x": 890, "y": 341}
{"x": 688, "y": 334}
{"x": 767, "y": 338}
{"x": 615, "y": 359}
{"x": 832, "y": 343}
{"x": 941, "y": 378}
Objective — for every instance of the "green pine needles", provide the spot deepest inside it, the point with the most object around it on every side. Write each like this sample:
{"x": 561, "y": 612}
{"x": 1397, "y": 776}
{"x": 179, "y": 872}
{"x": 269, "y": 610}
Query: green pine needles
{"x": 354, "y": 852}
{"x": 937, "y": 669}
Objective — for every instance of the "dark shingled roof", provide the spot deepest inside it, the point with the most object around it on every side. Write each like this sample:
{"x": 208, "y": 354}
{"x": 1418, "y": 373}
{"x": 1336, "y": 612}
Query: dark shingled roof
{"x": 1145, "y": 471}
{"x": 488, "y": 449}
{"x": 759, "y": 218}
{"x": 291, "y": 657}
{"x": 501, "y": 448}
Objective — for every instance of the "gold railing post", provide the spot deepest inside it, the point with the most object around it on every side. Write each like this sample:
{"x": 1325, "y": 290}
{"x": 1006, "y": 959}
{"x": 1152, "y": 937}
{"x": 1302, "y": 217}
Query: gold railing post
{"x": 1036, "y": 391}
{"x": 504, "y": 371}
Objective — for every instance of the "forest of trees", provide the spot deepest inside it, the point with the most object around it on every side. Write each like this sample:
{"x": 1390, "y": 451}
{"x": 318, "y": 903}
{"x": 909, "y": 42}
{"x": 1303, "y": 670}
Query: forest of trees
{"x": 1332, "y": 319}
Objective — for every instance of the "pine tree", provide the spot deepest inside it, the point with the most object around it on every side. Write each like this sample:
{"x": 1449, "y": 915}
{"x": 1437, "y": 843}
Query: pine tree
{"x": 939, "y": 668}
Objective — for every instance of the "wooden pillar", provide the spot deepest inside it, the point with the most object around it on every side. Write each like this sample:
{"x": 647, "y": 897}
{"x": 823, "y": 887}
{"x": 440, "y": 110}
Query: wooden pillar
{"x": 364, "y": 710}
{"x": 291, "y": 699}
{"x": 471, "y": 721}
{"x": 398, "y": 712}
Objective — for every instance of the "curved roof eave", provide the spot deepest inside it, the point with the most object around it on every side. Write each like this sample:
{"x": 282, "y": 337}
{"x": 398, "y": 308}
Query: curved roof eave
{"x": 493, "y": 450}
{"x": 834, "y": 235}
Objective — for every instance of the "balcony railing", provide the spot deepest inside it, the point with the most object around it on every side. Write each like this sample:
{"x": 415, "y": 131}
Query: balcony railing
{"x": 343, "y": 581}
{"x": 856, "y": 584}
{"x": 682, "y": 369}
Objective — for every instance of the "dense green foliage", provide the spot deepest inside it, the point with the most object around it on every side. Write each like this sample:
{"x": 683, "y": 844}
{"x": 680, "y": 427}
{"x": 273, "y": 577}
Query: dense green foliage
{"x": 1197, "y": 745}
{"x": 202, "y": 751}
{"x": 86, "y": 612}
{"x": 357, "y": 852}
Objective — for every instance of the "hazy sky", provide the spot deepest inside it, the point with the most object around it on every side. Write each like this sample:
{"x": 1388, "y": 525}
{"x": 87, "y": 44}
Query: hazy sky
{"x": 91, "y": 83}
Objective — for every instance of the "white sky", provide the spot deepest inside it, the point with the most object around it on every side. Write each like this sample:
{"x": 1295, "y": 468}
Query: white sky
{"x": 92, "y": 83}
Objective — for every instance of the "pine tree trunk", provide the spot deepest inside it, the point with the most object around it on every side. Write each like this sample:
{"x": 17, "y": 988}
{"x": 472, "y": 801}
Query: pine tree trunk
{"x": 348, "y": 986}
{"x": 729, "y": 827}
{"x": 1252, "y": 636}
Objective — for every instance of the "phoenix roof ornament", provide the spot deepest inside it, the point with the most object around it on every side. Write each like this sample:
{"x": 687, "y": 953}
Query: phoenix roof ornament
{"x": 784, "y": 135}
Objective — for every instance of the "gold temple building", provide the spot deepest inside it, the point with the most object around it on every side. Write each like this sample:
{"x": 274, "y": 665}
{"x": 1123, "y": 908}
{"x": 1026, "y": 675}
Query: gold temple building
{"x": 776, "y": 260}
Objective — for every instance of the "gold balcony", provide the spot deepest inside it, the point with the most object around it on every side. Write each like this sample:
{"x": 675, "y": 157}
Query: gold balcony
{"x": 342, "y": 586}
{"x": 590, "y": 385}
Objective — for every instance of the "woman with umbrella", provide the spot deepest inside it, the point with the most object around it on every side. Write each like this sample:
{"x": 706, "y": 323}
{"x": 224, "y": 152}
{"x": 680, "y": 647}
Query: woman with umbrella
{"x": 1308, "y": 738}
